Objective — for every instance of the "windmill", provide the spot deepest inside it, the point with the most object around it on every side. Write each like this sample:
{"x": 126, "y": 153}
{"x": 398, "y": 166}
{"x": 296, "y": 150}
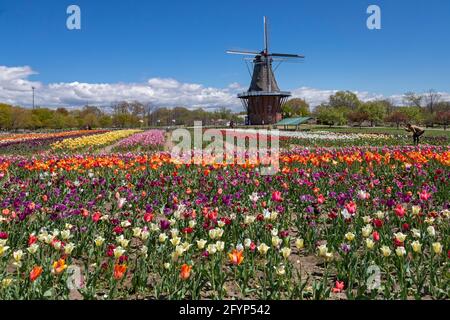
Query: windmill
{"x": 264, "y": 99}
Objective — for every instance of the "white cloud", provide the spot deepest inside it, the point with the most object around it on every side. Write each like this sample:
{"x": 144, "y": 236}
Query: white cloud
{"x": 316, "y": 96}
{"x": 313, "y": 96}
{"x": 15, "y": 88}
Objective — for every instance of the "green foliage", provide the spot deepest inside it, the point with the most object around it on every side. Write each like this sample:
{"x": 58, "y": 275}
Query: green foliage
{"x": 330, "y": 115}
{"x": 125, "y": 115}
{"x": 414, "y": 114}
{"x": 5, "y": 116}
{"x": 346, "y": 99}
{"x": 375, "y": 111}
{"x": 295, "y": 107}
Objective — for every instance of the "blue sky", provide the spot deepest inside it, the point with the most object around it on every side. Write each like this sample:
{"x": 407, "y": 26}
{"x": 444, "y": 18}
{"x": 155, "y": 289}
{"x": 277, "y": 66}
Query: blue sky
{"x": 130, "y": 42}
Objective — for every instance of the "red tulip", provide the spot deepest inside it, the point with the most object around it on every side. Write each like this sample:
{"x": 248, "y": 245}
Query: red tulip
{"x": 118, "y": 230}
{"x": 185, "y": 271}
{"x": 376, "y": 236}
{"x": 96, "y": 216}
{"x": 320, "y": 199}
{"x": 424, "y": 196}
{"x": 148, "y": 217}
{"x": 236, "y": 257}
{"x": 351, "y": 207}
{"x": 338, "y": 287}
{"x": 32, "y": 239}
{"x": 35, "y": 273}
{"x": 276, "y": 196}
{"x": 188, "y": 230}
{"x": 378, "y": 223}
{"x": 119, "y": 271}
{"x": 400, "y": 211}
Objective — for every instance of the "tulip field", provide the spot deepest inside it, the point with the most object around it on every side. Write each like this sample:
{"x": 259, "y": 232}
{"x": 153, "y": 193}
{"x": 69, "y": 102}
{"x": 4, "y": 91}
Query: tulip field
{"x": 110, "y": 215}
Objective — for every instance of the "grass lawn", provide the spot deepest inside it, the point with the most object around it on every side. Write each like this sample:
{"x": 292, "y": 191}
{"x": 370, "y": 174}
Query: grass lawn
{"x": 431, "y": 132}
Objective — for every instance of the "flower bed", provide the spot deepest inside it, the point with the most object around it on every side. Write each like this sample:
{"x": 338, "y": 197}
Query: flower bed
{"x": 148, "y": 140}
{"x": 34, "y": 143}
{"x": 332, "y": 223}
{"x": 92, "y": 141}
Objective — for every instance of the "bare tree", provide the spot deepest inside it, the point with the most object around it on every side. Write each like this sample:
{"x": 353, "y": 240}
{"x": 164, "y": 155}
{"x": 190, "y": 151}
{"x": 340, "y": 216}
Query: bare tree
{"x": 389, "y": 105}
{"x": 149, "y": 108}
{"x": 432, "y": 98}
{"x": 412, "y": 99}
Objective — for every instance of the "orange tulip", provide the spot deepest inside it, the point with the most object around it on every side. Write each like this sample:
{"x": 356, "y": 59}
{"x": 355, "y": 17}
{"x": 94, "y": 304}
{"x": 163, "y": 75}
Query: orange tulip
{"x": 35, "y": 273}
{"x": 185, "y": 272}
{"x": 119, "y": 271}
{"x": 59, "y": 266}
{"x": 236, "y": 257}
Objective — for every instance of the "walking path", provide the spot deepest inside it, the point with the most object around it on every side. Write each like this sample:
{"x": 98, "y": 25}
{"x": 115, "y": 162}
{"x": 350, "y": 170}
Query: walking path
{"x": 108, "y": 148}
{"x": 168, "y": 145}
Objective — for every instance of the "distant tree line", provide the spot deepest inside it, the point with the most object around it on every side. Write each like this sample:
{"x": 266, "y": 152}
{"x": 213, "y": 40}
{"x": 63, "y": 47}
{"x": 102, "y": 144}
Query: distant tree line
{"x": 14, "y": 118}
{"x": 119, "y": 115}
{"x": 344, "y": 107}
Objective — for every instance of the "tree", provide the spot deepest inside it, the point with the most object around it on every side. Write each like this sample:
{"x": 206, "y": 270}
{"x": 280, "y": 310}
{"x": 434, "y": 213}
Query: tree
{"x": 443, "y": 118}
{"x": 137, "y": 109}
{"x": 63, "y": 111}
{"x": 25, "y": 119}
{"x": 90, "y": 120}
{"x": 71, "y": 122}
{"x": 412, "y": 99}
{"x": 398, "y": 118}
{"x": 5, "y": 116}
{"x": 375, "y": 111}
{"x": 148, "y": 113}
{"x": 125, "y": 120}
{"x": 105, "y": 121}
{"x": 91, "y": 109}
{"x": 160, "y": 116}
{"x": 125, "y": 114}
{"x": 223, "y": 113}
{"x": 388, "y": 105}
{"x": 415, "y": 114}
{"x": 58, "y": 121}
{"x": 45, "y": 117}
{"x": 181, "y": 115}
{"x": 358, "y": 116}
{"x": 345, "y": 99}
{"x": 442, "y": 106}
{"x": 431, "y": 98}
{"x": 296, "y": 107}
{"x": 329, "y": 115}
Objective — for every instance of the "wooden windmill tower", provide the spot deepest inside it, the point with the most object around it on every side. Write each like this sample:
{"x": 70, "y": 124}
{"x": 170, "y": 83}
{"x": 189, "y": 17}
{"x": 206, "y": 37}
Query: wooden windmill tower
{"x": 264, "y": 99}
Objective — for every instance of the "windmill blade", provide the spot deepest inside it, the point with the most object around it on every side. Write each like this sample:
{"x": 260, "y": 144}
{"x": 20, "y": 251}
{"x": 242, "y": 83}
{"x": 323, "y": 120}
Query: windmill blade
{"x": 247, "y": 53}
{"x": 266, "y": 36}
{"x": 287, "y": 55}
{"x": 274, "y": 59}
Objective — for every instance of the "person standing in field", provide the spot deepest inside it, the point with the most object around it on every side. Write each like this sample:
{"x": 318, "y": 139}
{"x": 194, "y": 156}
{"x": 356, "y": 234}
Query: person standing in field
{"x": 416, "y": 131}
